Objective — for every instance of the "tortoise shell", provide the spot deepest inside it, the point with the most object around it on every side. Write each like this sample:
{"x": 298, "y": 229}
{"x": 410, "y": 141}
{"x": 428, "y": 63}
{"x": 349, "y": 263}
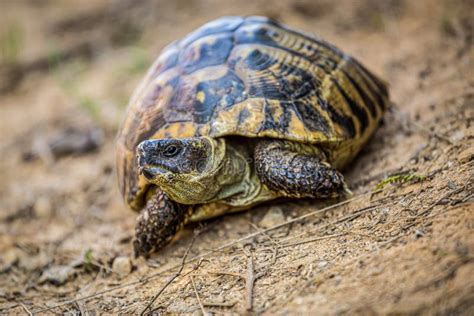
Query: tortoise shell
{"x": 252, "y": 77}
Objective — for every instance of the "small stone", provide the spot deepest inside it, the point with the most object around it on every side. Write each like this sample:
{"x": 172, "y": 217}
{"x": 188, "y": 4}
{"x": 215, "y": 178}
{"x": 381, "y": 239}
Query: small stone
{"x": 274, "y": 216}
{"x": 452, "y": 185}
{"x": 419, "y": 233}
{"x": 56, "y": 275}
{"x": 43, "y": 207}
{"x": 457, "y": 136}
{"x": 466, "y": 155}
{"x": 122, "y": 266}
{"x": 322, "y": 264}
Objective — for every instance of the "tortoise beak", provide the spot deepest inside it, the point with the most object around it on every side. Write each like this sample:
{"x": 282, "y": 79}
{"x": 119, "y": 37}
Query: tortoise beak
{"x": 146, "y": 161}
{"x": 146, "y": 153}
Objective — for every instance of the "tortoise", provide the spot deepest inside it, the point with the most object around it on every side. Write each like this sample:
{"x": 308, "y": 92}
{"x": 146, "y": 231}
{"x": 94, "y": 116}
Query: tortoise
{"x": 241, "y": 111}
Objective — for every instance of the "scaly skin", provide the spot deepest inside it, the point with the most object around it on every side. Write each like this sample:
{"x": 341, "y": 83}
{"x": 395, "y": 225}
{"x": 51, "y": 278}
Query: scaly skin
{"x": 230, "y": 178}
{"x": 286, "y": 169}
{"x": 158, "y": 223}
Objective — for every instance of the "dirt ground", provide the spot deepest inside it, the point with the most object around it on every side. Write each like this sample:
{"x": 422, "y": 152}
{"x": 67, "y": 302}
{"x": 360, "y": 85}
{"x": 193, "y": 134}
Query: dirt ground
{"x": 65, "y": 235}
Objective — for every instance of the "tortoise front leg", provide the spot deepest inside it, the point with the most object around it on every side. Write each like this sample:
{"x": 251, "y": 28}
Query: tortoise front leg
{"x": 158, "y": 223}
{"x": 292, "y": 170}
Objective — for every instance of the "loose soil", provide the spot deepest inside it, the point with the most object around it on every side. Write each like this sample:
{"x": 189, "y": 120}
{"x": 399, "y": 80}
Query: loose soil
{"x": 65, "y": 234}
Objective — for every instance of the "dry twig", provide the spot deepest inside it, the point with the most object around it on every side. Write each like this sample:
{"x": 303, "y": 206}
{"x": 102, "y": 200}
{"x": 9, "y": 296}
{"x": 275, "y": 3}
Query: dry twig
{"x": 197, "y": 296}
{"x": 250, "y": 280}
{"x": 26, "y": 309}
{"x": 215, "y": 304}
{"x": 314, "y": 239}
{"x": 183, "y": 261}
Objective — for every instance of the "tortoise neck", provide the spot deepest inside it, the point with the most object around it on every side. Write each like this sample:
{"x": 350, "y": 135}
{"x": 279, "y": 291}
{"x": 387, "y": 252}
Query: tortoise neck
{"x": 239, "y": 184}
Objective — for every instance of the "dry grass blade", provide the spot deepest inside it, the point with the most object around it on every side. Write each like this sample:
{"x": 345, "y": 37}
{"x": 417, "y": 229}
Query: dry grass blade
{"x": 203, "y": 310}
{"x": 313, "y": 240}
{"x": 250, "y": 280}
{"x": 216, "y": 304}
{"x": 26, "y": 309}
{"x": 183, "y": 261}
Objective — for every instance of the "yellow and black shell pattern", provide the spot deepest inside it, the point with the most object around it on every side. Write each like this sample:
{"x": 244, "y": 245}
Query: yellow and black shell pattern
{"x": 253, "y": 77}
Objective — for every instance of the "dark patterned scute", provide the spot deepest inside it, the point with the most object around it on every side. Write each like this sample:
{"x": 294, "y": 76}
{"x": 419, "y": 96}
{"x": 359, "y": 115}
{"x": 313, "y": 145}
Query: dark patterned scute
{"x": 223, "y": 92}
{"x": 311, "y": 117}
{"x": 346, "y": 122}
{"x": 271, "y": 123}
{"x": 359, "y": 112}
{"x": 200, "y": 55}
{"x": 222, "y": 25}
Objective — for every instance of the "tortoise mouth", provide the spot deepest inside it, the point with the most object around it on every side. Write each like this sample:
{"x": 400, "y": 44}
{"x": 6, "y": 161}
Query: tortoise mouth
{"x": 150, "y": 172}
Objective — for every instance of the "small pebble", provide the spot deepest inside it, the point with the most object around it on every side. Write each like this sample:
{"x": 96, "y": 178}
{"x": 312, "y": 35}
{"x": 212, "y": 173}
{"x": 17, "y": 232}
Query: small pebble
{"x": 56, "y": 275}
{"x": 122, "y": 266}
{"x": 419, "y": 233}
{"x": 322, "y": 264}
{"x": 466, "y": 155}
{"x": 457, "y": 136}
{"x": 452, "y": 185}
{"x": 274, "y": 216}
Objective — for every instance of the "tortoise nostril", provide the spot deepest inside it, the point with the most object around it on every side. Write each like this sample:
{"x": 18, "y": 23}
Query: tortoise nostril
{"x": 141, "y": 149}
{"x": 141, "y": 154}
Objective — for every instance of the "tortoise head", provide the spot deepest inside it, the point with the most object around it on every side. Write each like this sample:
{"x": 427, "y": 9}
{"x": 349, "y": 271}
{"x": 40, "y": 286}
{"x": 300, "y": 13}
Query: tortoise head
{"x": 185, "y": 168}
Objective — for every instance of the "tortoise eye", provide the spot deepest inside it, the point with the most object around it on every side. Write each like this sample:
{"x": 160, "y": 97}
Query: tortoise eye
{"x": 171, "y": 151}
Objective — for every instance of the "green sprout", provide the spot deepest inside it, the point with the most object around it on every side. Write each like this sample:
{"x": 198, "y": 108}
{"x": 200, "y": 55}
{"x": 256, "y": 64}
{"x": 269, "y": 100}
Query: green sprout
{"x": 88, "y": 259}
{"x": 400, "y": 178}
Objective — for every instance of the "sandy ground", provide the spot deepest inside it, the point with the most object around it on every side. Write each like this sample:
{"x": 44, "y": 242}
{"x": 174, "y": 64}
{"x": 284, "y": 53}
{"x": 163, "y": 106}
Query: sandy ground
{"x": 66, "y": 75}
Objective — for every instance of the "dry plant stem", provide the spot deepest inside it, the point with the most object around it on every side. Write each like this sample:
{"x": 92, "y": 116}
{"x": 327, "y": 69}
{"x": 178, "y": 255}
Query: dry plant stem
{"x": 250, "y": 280}
{"x": 26, "y": 309}
{"x": 445, "y": 196}
{"x": 265, "y": 234}
{"x": 183, "y": 261}
{"x": 314, "y": 239}
{"x": 277, "y": 247}
{"x": 225, "y": 246}
{"x": 237, "y": 275}
{"x": 348, "y": 217}
{"x": 81, "y": 307}
{"x": 197, "y": 296}
{"x": 215, "y": 304}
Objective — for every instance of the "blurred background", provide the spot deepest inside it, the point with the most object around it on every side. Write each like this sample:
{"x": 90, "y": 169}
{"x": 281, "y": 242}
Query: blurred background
{"x": 67, "y": 70}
